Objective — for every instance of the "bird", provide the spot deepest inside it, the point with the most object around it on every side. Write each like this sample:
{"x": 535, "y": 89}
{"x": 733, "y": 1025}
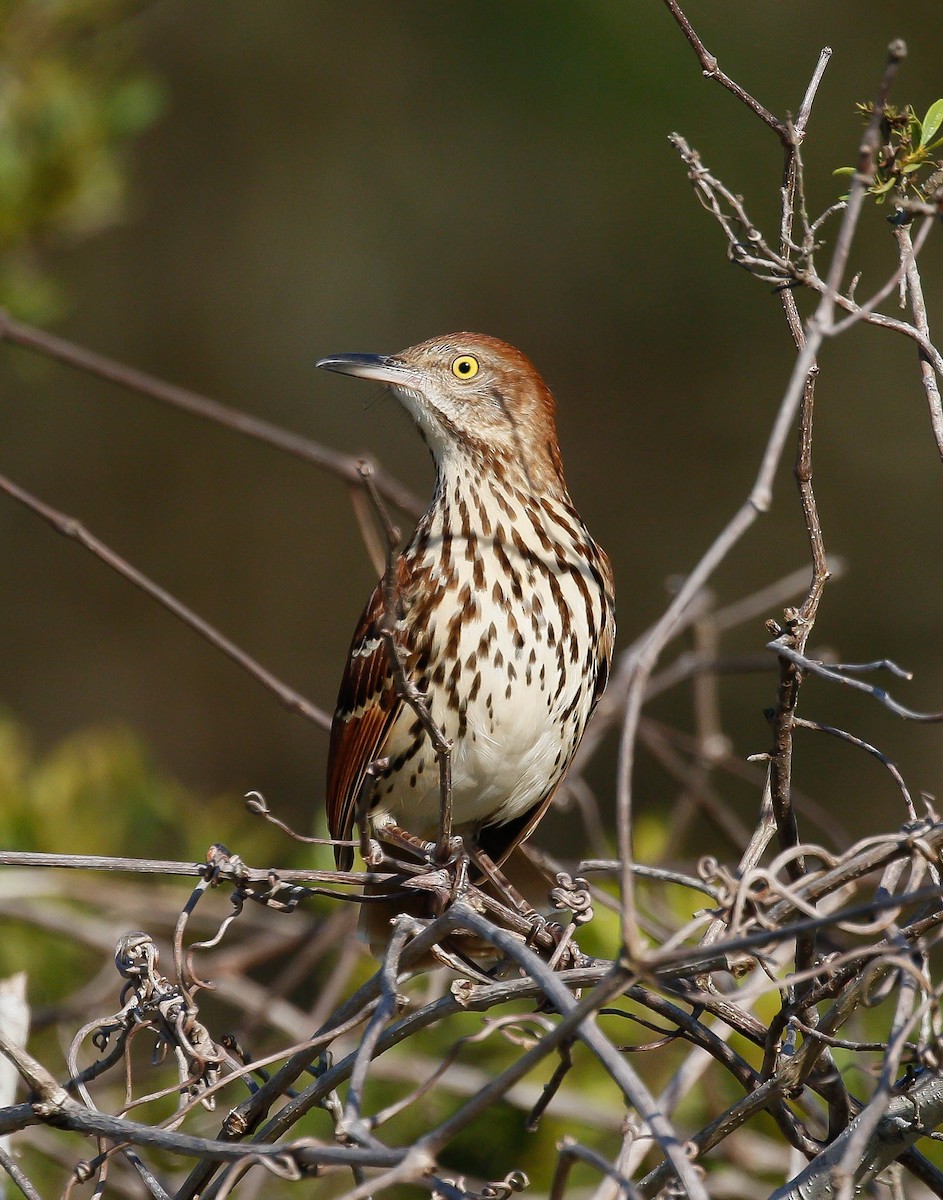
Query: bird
{"x": 504, "y": 621}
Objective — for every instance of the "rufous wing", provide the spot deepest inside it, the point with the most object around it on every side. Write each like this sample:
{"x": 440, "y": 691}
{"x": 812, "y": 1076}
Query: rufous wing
{"x": 367, "y": 706}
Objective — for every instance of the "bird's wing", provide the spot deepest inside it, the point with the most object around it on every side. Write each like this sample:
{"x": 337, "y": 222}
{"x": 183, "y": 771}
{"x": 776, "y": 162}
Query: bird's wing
{"x": 367, "y": 706}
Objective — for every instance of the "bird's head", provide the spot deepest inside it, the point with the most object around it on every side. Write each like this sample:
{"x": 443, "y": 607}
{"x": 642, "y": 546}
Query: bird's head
{"x": 472, "y": 396}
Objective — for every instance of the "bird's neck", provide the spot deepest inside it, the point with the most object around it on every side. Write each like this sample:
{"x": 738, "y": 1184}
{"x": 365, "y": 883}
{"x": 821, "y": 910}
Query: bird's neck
{"x": 534, "y": 476}
{"x": 483, "y": 495}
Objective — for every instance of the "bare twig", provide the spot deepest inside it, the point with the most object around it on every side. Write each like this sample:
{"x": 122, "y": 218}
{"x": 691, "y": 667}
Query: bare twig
{"x": 712, "y": 71}
{"x": 344, "y": 465}
{"x": 405, "y": 686}
{"x": 835, "y": 674}
{"x": 918, "y": 307}
{"x": 71, "y": 528}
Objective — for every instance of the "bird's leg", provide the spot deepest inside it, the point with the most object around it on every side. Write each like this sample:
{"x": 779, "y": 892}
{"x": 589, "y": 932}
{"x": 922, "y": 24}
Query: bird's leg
{"x": 385, "y": 829}
{"x": 459, "y": 878}
{"x": 548, "y": 937}
{"x": 447, "y": 881}
{"x": 370, "y": 852}
{"x": 492, "y": 872}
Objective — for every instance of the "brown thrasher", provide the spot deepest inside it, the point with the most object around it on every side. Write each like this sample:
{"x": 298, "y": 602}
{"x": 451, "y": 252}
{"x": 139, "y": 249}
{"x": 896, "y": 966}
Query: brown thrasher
{"x": 505, "y": 617}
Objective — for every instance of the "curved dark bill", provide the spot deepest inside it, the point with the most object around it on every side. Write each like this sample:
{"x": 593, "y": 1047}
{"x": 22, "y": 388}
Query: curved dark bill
{"x": 366, "y": 366}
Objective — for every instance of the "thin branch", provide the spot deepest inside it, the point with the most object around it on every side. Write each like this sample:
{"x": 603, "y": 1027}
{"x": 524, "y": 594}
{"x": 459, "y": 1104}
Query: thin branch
{"x": 915, "y": 1108}
{"x": 758, "y": 502}
{"x": 570, "y": 1152}
{"x": 18, "y": 1176}
{"x": 712, "y": 71}
{"x": 843, "y": 735}
{"x": 406, "y": 688}
{"x": 837, "y": 676}
{"x": 71, "y": 528}
{"x": 235, "y": 871}
{"x": 918, "y": 307}
{"x": 343, "y": 465}
{"x": 578, "y": 1019}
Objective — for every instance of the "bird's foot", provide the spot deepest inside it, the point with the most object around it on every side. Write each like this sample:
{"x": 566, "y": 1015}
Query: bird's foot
{"x": 445, "y": 878}
{"x": 555, "y": 943}
{"x": 449, "y": 881}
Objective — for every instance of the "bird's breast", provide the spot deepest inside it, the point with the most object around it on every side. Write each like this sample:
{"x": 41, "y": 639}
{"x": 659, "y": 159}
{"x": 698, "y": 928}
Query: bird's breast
{"x": 503, "y": 633}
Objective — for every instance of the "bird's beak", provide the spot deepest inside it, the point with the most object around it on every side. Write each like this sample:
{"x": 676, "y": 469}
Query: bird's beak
{"x": 372, "y": 366}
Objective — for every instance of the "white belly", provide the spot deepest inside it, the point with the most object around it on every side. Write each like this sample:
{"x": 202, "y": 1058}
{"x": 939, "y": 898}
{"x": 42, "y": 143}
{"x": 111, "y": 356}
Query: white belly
{"x": 514, "y": 713}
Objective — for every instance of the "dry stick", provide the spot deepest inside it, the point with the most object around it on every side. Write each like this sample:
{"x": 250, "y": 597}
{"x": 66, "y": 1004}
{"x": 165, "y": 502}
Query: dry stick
{"x": 792, "y": 178}
{"x": 406, "y": 689}
{"x": 766, "y": 828}
{"x": 611, "y": 981}
{"x": 919, "y": 309}
{"x": 868, "y": 856}
{"x": 850, "y": 985}
{"x": 52, "y": 1105}
{"x": 756, "y": 503}
{"x": 570, "y": 1153}
{"x": 716, "y": 1131}
{"x": 482, "y": 998}
{"x": 236, "y": 873}
{"x": 882, "y": 321}
{"x": 859, "y": 312}
{"x": 867, "y": 1121}
{"x": 837, "y": 675}
{"x": 71, "y": 528}
{"x": 800, "y": 625}
{"x": 686, "y": 961}
{"x": 791, "y": 139}
{"x": 907, "y": 1117}
{"x": 712, "y": 71}
{"x": 799, "y": 622}
{"x": 865, "y": 862}
{"x": 610, "y": 708}
{"x": 413, "y": 1167}
{"x": 18, "y": 1176}
{"x": 344, "y": 465}
{"x": 740, "y": 1112}
{"x": 708, "y": 1042}
{"x": 843, "y": 735}
{"x": 576, "y": 1017}
{"x": 351, "y": 1124}
{"x": 469, "y": 999}
{"x": 750, "y": 250}
{"x": 247, "y": 1116}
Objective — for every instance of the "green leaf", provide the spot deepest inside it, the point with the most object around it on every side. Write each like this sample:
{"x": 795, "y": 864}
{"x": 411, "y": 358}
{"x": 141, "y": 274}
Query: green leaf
{"x": 844, "y": 170}
{"x": 880, "y": 188}
{"x": 932, "y": 122}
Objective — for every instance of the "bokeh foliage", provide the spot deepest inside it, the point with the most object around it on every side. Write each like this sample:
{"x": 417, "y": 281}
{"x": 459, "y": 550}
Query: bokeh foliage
{"x": 315, "y": 193}
{"x": 73, "y": 99}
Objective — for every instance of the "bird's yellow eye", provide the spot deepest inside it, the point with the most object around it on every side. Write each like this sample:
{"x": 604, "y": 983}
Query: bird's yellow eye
{"x": 465, "y": 367}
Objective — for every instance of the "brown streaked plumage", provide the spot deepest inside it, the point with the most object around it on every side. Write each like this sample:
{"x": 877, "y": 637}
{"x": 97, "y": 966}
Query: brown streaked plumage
{"x": 506, "y": 618}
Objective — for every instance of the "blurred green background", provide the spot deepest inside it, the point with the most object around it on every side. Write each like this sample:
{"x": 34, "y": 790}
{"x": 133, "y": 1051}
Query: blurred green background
{"x": 272, "y": 183}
